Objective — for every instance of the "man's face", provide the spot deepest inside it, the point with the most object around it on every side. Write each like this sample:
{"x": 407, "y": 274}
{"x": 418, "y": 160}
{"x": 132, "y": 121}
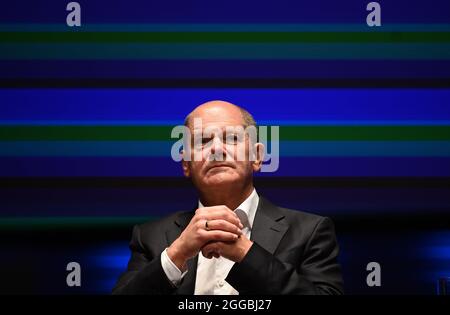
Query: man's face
{"x": 222, "y": 146}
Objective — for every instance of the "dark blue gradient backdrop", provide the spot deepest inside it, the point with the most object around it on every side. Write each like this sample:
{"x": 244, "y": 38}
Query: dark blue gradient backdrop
{"x": 86, "y": 114}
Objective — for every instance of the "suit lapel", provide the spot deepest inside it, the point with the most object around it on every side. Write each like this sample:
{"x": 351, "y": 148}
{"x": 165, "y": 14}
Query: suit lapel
{"x": 187, "y": 286}
{"x": 269, "y": 226}
{"x": 179, "y": 224}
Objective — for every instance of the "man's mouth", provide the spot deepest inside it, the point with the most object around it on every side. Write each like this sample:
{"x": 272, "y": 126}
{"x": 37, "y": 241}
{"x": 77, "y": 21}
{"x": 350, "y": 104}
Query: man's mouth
{"x": 219, "y": 165}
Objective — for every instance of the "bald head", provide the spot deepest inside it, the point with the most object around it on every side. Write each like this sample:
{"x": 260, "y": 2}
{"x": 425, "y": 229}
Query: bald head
{"x": 220, "y": 109}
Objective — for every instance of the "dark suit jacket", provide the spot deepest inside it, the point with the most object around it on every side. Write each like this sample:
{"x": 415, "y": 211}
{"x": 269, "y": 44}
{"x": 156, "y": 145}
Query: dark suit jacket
{"x": 293, "y": 253}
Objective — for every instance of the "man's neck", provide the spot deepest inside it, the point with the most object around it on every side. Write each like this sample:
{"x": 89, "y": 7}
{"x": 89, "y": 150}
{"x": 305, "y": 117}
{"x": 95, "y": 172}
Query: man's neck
{"x": 228, "y": 197}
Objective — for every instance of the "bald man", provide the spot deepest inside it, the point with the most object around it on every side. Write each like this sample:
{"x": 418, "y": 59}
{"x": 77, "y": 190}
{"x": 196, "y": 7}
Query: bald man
{"x": 235, "y": 241}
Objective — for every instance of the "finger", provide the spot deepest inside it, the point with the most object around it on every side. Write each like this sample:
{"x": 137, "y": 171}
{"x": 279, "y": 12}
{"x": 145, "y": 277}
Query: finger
{"x": 224, "y": 225}
{"x": 207, "y": 251}
{"x": 219, "y": 212}
{"x": 210, "y": 246}
{"x": 208, "y": 255}
{"x": 218, "y": 235}
{"x": 215, "y": 210}
{"x": 211, "y": 250}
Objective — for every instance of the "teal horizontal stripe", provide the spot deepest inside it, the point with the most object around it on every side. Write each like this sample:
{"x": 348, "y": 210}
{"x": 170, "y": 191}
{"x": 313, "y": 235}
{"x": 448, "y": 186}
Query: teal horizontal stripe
{"x": 365, "y": 148}
{"x": 224, "y": 51}
{"x": 222, "y": 27}
{"x": 86, "y": 148}
{"x": 287, "y": 148}
{"x": 225, "y": 37}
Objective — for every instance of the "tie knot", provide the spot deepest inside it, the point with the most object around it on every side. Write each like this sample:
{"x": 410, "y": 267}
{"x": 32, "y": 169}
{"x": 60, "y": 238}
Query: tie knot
{"x": 243, "y": 217}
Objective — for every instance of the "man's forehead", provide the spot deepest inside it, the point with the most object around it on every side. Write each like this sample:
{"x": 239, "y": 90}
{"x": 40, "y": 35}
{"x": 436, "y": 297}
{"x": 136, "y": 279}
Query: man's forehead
{"x": 218, "y": 121}
{"x": 219, "y": 128}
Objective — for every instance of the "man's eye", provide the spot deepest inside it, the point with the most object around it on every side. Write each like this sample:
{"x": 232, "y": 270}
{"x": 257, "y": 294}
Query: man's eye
{"x": 232, "y": 139}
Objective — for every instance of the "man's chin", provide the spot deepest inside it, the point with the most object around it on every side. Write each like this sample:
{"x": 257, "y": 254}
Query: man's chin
{"x": 220, "y": 179}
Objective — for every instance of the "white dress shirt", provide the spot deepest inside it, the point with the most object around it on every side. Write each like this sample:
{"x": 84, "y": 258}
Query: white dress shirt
{"x": 211, "y": 273}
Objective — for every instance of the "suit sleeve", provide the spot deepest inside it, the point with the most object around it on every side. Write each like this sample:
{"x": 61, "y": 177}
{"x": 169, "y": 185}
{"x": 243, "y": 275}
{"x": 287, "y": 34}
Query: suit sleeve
{"x": 144, "y": 274}
{"x": 318, "y": 272}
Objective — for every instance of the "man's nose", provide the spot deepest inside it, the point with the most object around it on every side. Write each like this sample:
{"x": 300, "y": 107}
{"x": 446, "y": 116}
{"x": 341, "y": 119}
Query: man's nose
{"x": 217, "y": 149}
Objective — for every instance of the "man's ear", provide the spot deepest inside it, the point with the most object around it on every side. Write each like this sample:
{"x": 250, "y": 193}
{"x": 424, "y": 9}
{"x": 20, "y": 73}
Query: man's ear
{"x": 258, "y": 156}
{"x": 185, "y": 165}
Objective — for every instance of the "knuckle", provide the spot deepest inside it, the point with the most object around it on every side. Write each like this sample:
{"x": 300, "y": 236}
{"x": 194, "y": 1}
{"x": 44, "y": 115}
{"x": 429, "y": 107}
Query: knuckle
{"x": 231, "y": 218}
{"x": 201, "y": 236}
{"x": 199, "y": 229}
{"x": 216, "y": 235}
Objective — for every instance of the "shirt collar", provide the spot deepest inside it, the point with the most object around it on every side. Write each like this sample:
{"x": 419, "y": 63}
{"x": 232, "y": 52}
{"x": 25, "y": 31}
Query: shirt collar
{"x": 248, "y": 207}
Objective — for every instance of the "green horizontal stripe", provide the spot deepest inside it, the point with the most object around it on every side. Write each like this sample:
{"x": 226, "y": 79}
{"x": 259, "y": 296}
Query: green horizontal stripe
{"x": 85, "y": 132}
{"x": 164, "y": 148}
{"x": 365, "y": 133}
{"x": 225, "y": 51}
{"x": 317, "y": 133}
{"x": 69, "y": 222}
{"x": 218, "y": 37}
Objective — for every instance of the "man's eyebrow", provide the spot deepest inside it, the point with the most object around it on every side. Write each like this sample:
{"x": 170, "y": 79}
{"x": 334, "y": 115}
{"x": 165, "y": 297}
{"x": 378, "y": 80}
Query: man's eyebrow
{"x": 200, "y": 133}
{"x": 222, "y": 129}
